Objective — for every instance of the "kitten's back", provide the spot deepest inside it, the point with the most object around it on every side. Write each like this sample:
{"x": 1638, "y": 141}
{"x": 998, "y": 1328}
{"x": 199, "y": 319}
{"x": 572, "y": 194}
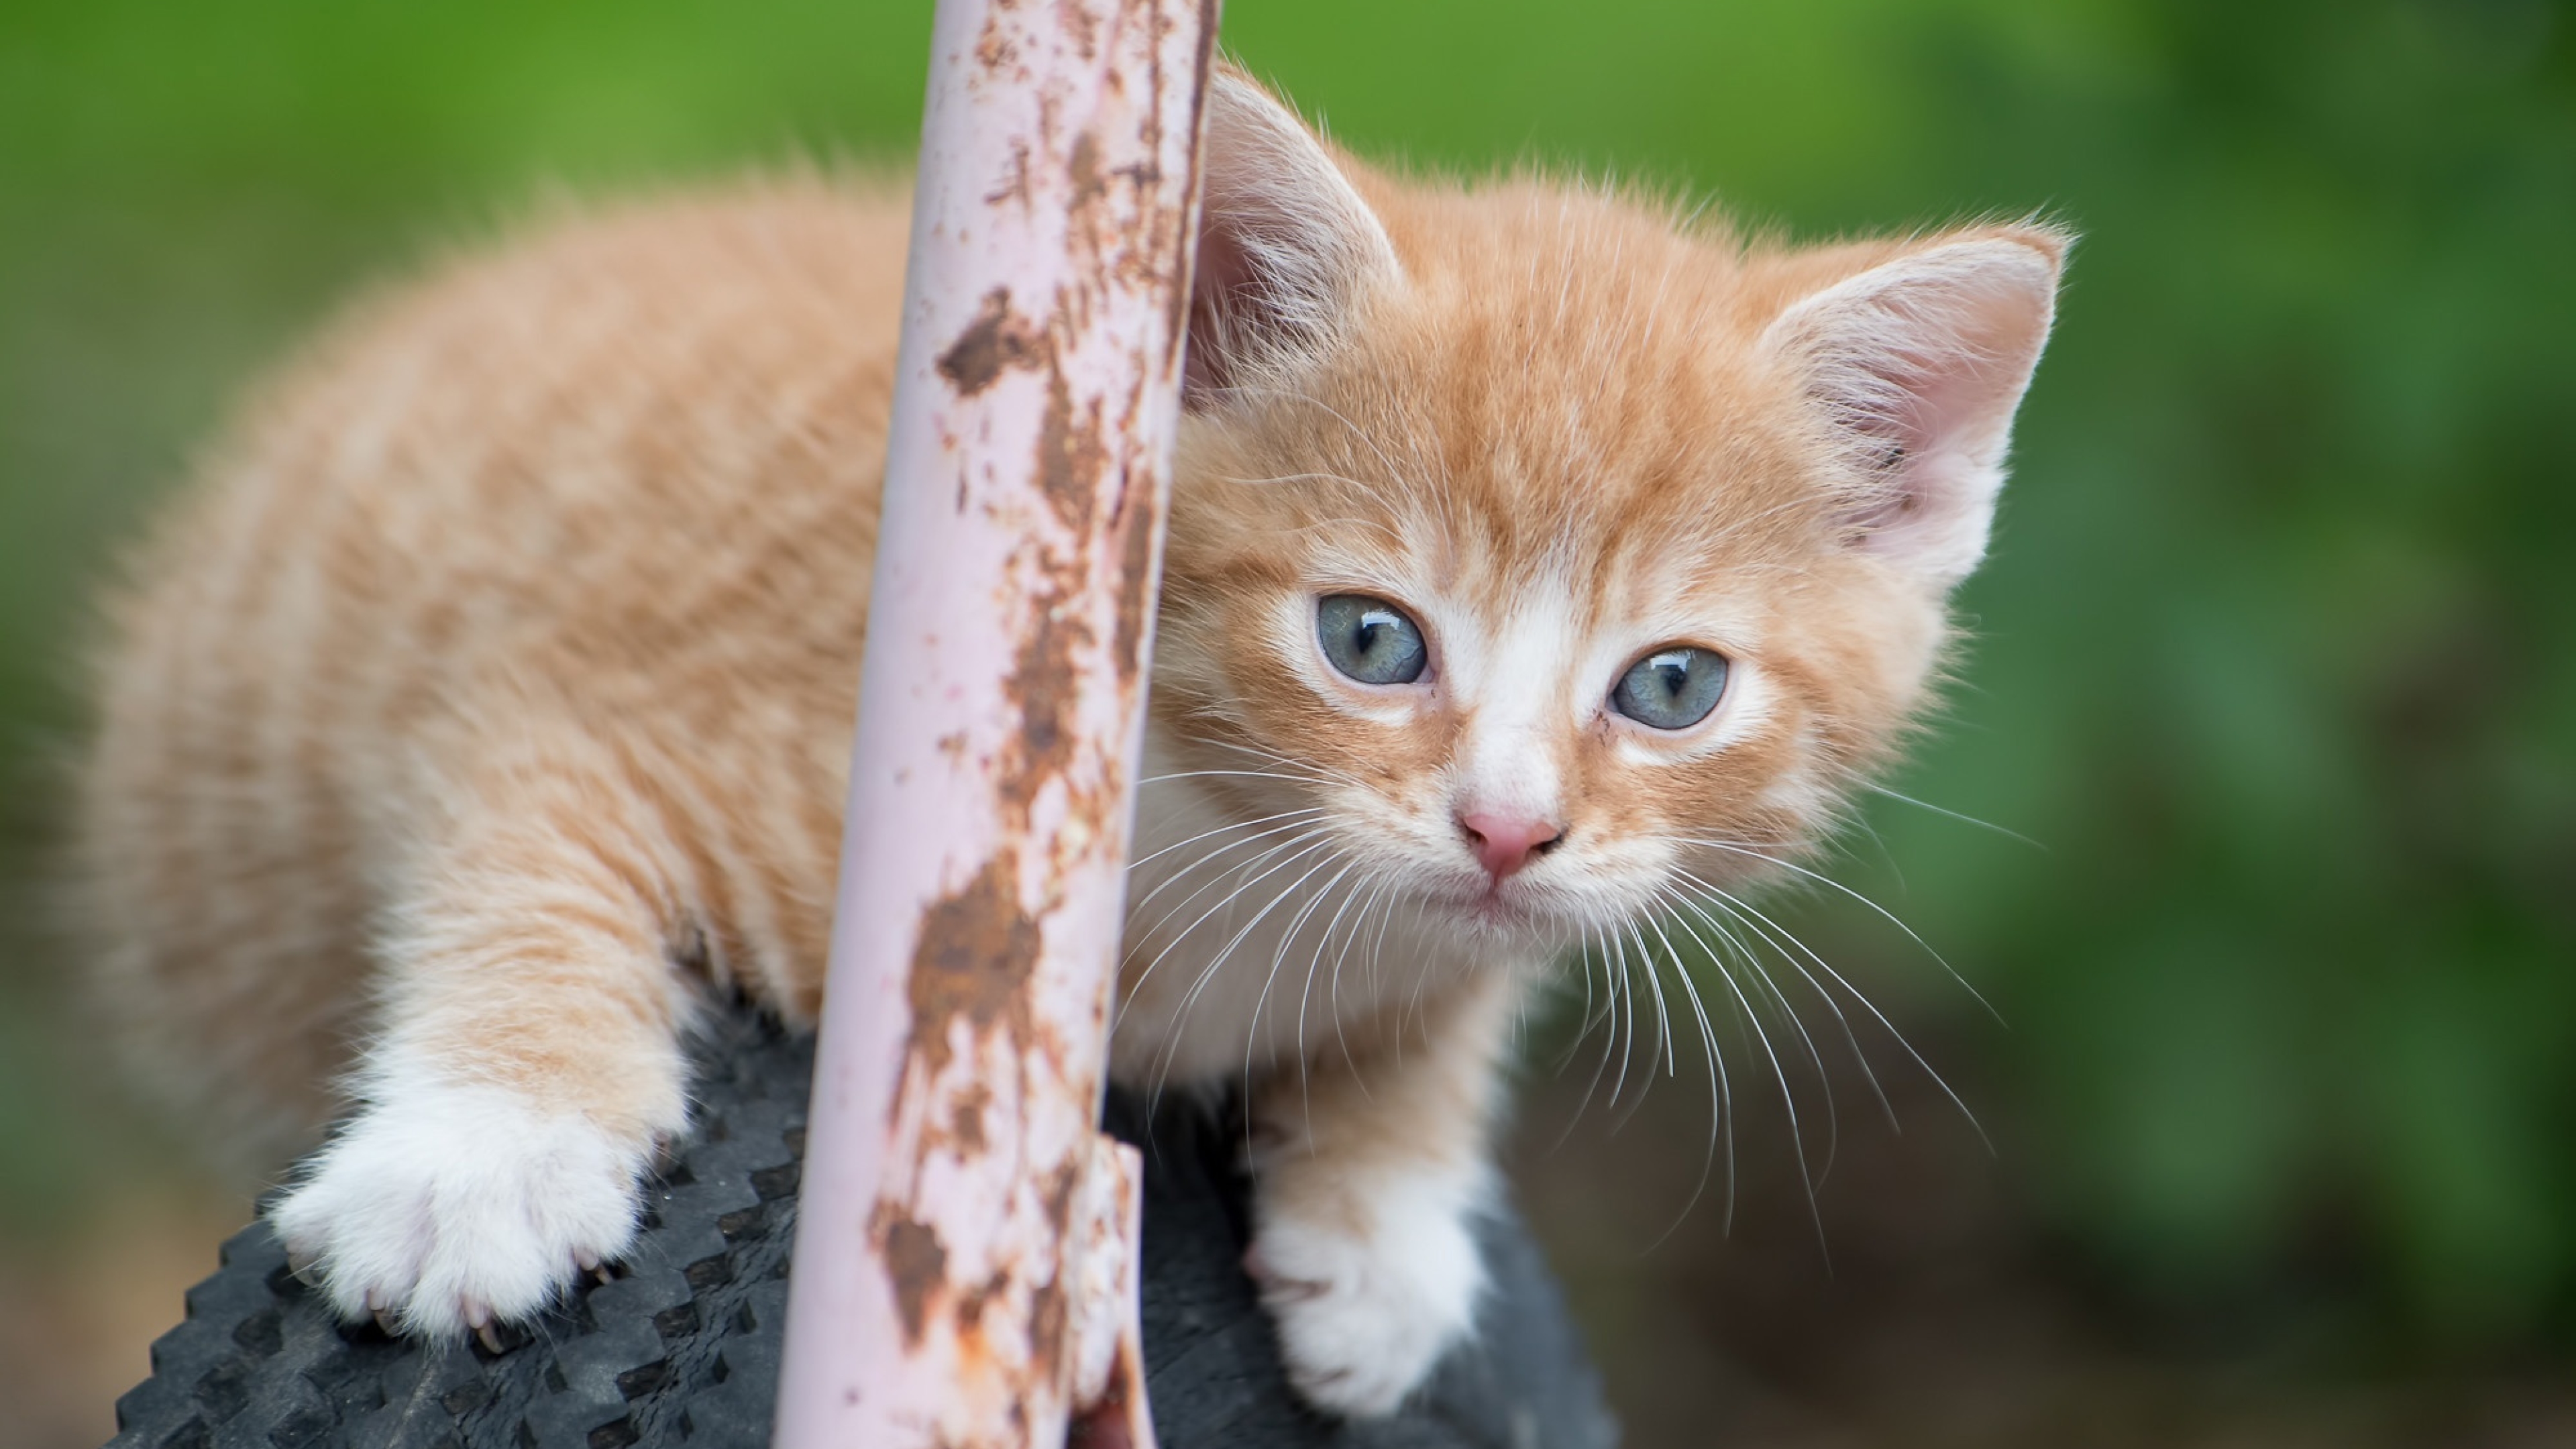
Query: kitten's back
{"x": 610, "y": 489}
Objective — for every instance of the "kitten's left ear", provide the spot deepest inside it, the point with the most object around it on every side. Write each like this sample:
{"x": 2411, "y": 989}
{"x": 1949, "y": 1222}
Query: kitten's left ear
{"x": 1918, "y": 364}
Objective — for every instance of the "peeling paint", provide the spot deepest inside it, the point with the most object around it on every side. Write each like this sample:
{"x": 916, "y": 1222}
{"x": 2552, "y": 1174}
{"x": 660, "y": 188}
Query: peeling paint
{"x": 966, "y": 1118}
{"x": 1082, "y": 27}
{"x": 1045, "y": 687}
{"x": 995, "y": 341}
{"x": 1027, "y": 467}
{"x": 1140, "y": 532}
{"x": 971, "y": 963}
{"x": 916, "y": 1262}
{"x": 1070, "y": 457}
{"x": 1047, "y": 1317}
{"x": 1083, "y": 169}
{"x": 970, "y": 1304}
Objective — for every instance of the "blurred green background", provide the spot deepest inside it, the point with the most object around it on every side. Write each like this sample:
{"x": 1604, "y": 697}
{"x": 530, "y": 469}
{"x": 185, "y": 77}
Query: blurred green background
{"x": 2277, "y": 652}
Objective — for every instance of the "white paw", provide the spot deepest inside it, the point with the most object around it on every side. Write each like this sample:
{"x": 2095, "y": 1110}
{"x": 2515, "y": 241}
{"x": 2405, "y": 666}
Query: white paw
{"x": 1366, "y": 1305}
{"x": 447, "y": 1209}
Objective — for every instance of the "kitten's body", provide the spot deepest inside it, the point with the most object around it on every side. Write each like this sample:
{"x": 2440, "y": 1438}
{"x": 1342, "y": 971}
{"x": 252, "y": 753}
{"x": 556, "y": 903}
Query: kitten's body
{"x": 497, "y": 690}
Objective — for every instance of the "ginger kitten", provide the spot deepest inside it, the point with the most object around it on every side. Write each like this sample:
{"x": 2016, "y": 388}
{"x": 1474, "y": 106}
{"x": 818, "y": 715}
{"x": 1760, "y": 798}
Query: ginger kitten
{"x": 1532, "y": 555}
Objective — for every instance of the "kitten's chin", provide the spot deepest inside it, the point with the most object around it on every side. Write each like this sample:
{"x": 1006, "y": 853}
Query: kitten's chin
{"x": 1538, "y": 919}
{"x": 1494, "y": 911}
{"x": 1513, "y": 916}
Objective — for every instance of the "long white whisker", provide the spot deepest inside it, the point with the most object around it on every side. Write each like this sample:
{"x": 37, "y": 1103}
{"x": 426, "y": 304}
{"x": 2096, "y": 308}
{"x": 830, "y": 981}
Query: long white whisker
{"x": 1315, "y": 769}
{"x": 1377, "y": 957}
{"x": 1333, "y": 995}
{"x": 1220, "y": 830}
{"x": 1413, "y": 1005}
{"x": 1721, "y": 1102}
{"x": 1850, "y": 1037}
{"x": 1247, "y": 928}
{"x": 1306, "y": 993}
{"x": 1318, "y": 840}
{"x": 1609, "y": 1016}
{"x": 1189, "y": 1000}
{"x": 1886, "y": 914}
{"x": 1663, "y": 1031}
{"x": 1734, "y": 904}
{"x": 1279, "y": 957}
{"x": 1779, "y": 1073}
{"x": 1619, "y": 953}
{"x": 1824, "y": 1078}
{"x": 1297, "y": 831}
{"x": 2008, "y": 834}
{"x": 1235, "y": 774}
{"x": 1591, "y": 1010}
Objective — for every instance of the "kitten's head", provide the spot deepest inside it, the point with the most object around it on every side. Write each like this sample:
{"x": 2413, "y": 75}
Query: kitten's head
{"x": 1551, "y": 551}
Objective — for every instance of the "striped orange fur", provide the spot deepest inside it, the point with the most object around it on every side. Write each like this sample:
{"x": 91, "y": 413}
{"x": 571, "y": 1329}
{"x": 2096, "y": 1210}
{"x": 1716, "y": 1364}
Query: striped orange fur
{"x": 488, "y": 700}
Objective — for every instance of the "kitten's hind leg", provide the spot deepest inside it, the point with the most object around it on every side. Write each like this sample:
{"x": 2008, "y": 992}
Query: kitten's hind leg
{"x": 526, "y": 1065}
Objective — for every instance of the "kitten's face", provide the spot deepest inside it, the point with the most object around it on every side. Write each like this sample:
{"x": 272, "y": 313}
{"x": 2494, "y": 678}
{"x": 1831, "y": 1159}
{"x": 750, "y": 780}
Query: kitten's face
{"x": 1551, "y": 499}
{"x": 1556, "y": 576}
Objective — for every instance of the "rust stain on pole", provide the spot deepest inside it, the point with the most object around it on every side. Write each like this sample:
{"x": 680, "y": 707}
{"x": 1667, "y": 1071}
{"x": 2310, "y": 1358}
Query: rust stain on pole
{"x": 996, "y": 340}
{"x": 966, "y": 1249}
{"x": 916, "y": 1261}
{"x": 972, "y": 964}
{"x": 1071, "y": 455}
{"x": 1139, "y": 533}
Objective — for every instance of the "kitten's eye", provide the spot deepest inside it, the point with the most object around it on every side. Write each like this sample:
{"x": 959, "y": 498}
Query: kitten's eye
{"x": 1672, "y": 688}
{"x": 1370, "y": 640}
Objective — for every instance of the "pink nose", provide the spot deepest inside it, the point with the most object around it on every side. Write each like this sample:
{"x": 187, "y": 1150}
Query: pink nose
{"x": 1504, "y": 843}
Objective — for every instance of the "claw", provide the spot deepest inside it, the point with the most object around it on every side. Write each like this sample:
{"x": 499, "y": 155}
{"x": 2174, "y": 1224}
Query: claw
{"x": 1325, "y": 1379}
{"x": 1278, "y": 1287}
{"x": 304, "y": 1267}
{"x": 1292, "y": 1290}
{"x": 385, "y": 1321}
{"x": 479, "y": 1318}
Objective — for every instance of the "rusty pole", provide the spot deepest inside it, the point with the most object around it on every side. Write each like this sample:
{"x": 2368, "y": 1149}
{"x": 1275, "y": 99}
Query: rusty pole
{"x": 965, "y": 1265}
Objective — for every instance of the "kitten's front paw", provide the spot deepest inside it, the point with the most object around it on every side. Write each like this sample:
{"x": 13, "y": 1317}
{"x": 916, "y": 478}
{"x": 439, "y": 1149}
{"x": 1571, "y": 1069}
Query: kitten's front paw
{"x": 448, "y": 1209}
{"x": 1366, "y": 1303}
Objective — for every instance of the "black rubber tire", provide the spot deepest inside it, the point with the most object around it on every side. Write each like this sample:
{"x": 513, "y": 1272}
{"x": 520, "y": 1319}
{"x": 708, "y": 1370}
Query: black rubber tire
{"x": 682, "y": 1347}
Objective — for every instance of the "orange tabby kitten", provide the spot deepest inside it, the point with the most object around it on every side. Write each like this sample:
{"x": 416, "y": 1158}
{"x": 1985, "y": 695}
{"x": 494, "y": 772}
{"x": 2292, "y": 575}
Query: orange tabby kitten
{"x": 1532, "y": 553}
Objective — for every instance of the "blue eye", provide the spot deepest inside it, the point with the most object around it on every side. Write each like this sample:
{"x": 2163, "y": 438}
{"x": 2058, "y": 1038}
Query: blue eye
{"x": 1672, "y": 688}
{"x": 1370, "y": 640}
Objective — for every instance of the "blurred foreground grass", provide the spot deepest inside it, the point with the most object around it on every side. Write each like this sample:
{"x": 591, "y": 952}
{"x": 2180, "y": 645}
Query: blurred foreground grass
{"x": 2278, "y": 648}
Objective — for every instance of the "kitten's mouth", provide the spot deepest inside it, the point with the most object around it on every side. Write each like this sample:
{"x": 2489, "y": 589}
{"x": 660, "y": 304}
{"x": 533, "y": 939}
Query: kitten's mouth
{"x": 1500, "y": 907}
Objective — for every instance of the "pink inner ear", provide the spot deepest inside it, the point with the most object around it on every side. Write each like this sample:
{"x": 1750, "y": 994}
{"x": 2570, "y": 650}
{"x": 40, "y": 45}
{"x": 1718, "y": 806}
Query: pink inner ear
{"x": 1285, "y": 244}
{"x": 1223, "y": 288}
{"x": 1920, "y": 363}
{"x": 1943, "y": 417}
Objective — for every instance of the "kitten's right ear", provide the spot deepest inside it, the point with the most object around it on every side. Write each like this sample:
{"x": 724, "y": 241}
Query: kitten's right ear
{"x": 1286, "y": 244}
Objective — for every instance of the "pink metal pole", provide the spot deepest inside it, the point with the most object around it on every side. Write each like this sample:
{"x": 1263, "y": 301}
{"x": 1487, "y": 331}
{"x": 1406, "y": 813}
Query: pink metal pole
{"x": 966, "y": 1251}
